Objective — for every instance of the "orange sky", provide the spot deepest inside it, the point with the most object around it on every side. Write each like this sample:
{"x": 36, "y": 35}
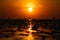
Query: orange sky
{"x": 19, "y": 9}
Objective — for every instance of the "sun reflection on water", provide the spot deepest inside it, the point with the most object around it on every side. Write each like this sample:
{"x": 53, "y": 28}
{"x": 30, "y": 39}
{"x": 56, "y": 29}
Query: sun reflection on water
{"x": 30, "y": 37}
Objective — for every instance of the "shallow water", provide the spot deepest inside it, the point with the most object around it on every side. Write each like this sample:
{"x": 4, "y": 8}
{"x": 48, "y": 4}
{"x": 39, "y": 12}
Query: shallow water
{"x": 26, "y": 34}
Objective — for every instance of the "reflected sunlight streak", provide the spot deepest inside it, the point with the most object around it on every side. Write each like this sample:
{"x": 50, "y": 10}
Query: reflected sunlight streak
{"x": 30, "y": 37}
{"x": 30, "y": 27}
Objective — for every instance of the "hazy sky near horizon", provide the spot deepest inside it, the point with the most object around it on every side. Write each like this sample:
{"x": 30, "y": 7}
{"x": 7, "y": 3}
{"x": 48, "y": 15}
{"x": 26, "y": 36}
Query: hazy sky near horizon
{"x": 16, "y": 9}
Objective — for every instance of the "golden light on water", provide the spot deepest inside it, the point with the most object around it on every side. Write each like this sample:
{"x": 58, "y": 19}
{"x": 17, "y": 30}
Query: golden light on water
{"x": 30, "y": 37}
{"x": 30, "y": 27}
{"x": 30, "y": 30}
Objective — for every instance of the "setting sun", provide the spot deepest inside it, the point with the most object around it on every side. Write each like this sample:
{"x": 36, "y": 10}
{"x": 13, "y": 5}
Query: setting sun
{"x": 30, "y": 9}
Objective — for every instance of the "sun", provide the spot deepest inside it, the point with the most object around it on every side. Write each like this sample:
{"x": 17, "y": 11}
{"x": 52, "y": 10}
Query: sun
{"x": 30, "y": 9}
